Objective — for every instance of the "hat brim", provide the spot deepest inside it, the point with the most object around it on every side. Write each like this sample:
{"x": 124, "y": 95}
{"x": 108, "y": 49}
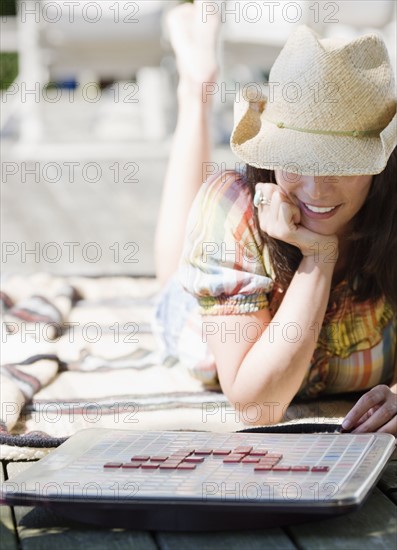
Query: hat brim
{"x": 263, "y": 144}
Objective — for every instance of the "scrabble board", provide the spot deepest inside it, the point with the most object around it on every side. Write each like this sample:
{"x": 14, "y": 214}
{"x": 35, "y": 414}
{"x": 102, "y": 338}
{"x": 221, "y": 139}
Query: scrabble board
{"x": 202, "y": 480}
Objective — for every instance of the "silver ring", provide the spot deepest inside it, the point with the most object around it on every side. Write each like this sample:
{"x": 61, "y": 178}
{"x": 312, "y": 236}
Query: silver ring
{"x": 260, "y": 199}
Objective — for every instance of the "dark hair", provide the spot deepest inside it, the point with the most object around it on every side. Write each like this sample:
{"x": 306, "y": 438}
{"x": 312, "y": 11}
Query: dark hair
{"x": 372, "y": 269}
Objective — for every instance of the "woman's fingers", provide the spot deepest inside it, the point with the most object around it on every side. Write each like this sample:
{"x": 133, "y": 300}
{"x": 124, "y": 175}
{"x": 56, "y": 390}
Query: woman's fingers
{"x": 390, "y": 427}
{"x": 280, "y": 218}
{"x": 274, "y": 213}
{"x": 288, "y": 215}
{"x": 267, "y": 189}
{"x": 375, "y": 411}
{"x": 369, "y": 400}
{"x": 377, "y": 418}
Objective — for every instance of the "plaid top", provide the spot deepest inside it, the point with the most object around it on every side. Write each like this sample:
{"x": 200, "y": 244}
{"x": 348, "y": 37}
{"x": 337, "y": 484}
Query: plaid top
{"x": 225, "y": 267}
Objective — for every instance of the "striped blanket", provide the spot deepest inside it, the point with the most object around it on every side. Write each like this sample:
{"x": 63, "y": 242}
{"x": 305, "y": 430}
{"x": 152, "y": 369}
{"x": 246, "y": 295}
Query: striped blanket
{"x": 78, "y": 352}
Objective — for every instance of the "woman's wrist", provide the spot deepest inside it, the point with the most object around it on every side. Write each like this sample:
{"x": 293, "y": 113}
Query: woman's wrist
{"x": 322, "y": 248}
{"x": 317, "y": 263}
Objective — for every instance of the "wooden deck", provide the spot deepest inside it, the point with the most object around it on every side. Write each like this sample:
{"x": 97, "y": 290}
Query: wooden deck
{"x": 373, "y": 526}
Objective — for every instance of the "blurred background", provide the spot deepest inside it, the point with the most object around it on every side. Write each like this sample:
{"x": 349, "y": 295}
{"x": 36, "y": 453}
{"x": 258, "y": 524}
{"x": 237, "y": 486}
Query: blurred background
{"x": 88, "y": 110}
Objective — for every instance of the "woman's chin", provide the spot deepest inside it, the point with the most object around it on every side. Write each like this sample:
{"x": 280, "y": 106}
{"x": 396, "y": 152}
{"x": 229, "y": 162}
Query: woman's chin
{"x": 319, "y": 227}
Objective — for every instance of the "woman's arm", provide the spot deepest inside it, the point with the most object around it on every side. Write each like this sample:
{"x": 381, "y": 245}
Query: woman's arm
{"x": 261, "y": 360}
{"x": 194, "y": 44}
{"x": 268, "y": 372}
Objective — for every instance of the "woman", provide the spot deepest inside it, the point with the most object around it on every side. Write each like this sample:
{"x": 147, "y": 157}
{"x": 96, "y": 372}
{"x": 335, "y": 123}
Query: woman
{"x": 288, "y": 269}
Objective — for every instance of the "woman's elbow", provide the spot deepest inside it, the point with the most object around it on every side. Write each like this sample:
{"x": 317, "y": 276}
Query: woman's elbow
{"x": 257, "y": 412}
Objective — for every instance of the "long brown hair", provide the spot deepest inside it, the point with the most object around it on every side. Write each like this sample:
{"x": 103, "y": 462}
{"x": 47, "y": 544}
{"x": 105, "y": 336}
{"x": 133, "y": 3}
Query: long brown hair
{"x": 372, "y": 269}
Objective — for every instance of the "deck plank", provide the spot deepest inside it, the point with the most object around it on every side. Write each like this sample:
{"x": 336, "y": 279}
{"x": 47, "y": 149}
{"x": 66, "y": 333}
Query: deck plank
{"x": 249, "y": 540}
{"x": 372, "y": 527}
{"x": 43, "y": 529}
{"x": 8, "y": 535}
{"x": 388, "y": 481}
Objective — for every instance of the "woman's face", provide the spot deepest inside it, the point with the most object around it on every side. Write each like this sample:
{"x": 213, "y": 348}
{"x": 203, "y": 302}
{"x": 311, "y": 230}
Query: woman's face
{"x": 327, "y": 203}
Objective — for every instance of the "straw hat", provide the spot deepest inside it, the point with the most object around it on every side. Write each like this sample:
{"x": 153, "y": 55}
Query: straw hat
{"x": 331, "y": 110}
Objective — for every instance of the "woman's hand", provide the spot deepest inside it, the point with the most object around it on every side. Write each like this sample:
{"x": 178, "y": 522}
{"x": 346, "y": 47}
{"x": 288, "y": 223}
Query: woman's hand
{"x": 193, "y": 34}
{"x": 281, "y": 218}
{"x": 375, "y": 411}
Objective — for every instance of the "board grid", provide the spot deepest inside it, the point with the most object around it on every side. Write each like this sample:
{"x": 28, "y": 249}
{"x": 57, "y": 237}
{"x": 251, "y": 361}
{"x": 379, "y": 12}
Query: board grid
{"x": 212, "y": 478}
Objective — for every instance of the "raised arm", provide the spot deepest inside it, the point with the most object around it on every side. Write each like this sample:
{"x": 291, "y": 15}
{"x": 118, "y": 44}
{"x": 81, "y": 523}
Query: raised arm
{"x": 194, "y": 42}
{"x": 259, "y": 359}
{"x": 261, "y": 375}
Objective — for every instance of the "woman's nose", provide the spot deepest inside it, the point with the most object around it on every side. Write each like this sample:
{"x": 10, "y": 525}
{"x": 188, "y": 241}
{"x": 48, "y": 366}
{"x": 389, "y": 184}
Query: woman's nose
{"x": 314, "y": 186}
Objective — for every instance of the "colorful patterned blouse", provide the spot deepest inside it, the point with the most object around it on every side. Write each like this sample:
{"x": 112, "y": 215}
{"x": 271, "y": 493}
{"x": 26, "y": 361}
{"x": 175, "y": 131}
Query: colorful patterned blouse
{"x": 225, "y": 267}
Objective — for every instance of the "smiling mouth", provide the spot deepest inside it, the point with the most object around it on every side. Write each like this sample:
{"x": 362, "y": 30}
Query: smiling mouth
{"x": 319, "y": 209}
{"x": 318, "y": 212}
